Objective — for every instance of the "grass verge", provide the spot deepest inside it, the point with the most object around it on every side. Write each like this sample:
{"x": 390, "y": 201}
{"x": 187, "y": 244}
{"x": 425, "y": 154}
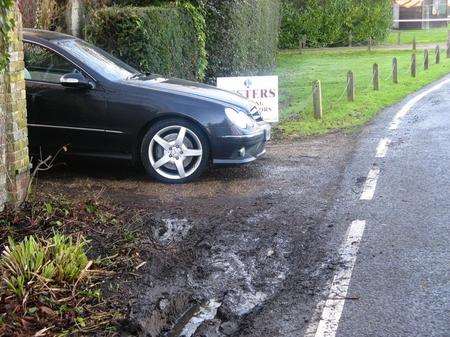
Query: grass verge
{"x": 298, "y": 71}
{"x": 423, "y": 36}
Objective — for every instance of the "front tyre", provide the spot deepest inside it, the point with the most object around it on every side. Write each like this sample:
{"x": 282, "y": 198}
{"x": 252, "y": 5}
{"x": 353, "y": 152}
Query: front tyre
{"x": 175, "y": 151}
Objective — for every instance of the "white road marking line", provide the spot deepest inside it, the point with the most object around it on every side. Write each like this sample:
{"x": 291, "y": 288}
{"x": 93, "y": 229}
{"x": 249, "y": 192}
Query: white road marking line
{"x": 382, "y": 147}
{"x": 370, "y": 184}
{"x": 334, "y": 305}
{"x": 407, "y": 107}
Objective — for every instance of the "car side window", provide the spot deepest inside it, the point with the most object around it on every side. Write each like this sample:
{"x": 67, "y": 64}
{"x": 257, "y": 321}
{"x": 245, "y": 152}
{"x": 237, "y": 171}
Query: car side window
{"x": 44, "y": 65}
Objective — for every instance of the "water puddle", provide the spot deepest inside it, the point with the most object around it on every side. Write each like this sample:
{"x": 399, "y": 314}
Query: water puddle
{"x": 187, "y": 326}
{"x": 171, "y": 230}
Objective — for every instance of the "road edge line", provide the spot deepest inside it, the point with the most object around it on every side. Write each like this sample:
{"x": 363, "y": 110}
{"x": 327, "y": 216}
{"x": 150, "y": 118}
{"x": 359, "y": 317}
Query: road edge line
{"x": 413, "y": 101}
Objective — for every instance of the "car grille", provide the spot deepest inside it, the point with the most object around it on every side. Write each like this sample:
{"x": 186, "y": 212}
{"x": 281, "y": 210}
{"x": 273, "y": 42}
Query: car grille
{"x": 255, "y": 114}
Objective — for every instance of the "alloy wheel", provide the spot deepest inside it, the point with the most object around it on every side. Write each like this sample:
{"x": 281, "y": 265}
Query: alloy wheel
{"x": 175, "y": 152}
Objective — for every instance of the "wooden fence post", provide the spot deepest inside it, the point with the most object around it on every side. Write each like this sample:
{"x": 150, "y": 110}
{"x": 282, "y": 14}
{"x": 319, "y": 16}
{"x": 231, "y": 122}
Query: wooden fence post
{"x": 350, "y": 40}
{"x": 414, "y": 43}
{"x": 438, "y": 54}
{"x": 413, "y": 65}
{"x": 399, "y": 38}
{"x": 302, "y": 43}
{"x": 376, "y": 77}
{"x": 395, "y": 70}
{"x": 426, "y": 62}
{"x": 317, "y": 100}
{"x": 370, "y": 43}
{"x": 350, "y": 86}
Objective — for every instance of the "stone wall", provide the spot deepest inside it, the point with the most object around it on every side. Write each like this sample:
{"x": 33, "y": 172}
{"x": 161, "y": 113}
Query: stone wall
{"x": 14, "y": 160}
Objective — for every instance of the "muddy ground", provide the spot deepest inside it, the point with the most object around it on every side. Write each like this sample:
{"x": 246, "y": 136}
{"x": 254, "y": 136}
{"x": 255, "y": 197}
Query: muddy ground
{"x": 228, "y": 255}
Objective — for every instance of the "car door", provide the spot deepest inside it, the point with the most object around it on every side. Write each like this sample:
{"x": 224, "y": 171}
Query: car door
{"x": 58, "y": 115}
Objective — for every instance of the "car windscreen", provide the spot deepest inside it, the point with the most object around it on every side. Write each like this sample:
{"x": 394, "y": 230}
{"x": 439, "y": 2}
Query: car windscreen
{"x": 105, "y": 64}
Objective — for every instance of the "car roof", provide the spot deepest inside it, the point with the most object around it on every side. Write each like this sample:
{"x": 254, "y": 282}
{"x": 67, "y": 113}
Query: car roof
{"x": 45, "y": 35}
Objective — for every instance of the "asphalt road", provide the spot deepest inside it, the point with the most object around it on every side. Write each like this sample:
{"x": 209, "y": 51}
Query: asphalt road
{"x": 400, "y": 281}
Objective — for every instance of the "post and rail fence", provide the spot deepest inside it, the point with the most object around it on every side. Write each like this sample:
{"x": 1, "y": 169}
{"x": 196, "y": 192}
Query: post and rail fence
{"x": 375, "y": 80}
{"x": 350, "y": 90}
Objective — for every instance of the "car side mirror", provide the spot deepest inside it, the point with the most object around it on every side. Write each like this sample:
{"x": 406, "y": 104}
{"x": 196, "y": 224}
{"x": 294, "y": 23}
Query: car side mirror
{"x": 75, "y": 80}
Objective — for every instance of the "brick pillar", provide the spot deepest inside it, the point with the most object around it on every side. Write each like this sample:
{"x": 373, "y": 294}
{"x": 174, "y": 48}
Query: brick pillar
{"x": 13, "y": 122}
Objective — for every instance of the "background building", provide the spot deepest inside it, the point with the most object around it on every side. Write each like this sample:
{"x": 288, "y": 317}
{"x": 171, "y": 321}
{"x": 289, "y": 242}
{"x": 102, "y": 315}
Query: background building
{"x": 420, "y": 10}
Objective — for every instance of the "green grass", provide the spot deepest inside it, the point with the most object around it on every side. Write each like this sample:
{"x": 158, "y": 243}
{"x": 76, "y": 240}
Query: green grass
{"x": 423, "y": 36}
{"x": 297, "y": 72}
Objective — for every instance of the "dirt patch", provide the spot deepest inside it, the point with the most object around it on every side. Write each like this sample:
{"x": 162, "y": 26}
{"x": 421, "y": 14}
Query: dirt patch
{"x": 237, "y": 238}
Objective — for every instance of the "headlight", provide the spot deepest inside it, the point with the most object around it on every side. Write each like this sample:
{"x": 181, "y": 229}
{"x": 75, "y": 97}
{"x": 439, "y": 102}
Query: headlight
{"x": 239, "y": 118}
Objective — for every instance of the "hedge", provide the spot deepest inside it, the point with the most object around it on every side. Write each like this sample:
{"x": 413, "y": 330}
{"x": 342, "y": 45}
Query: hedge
{"x": 191, "y": 38}
{"x": 163, "y": 40}
{"x": 241, "y": 36}
{"x": 331, "y": 22}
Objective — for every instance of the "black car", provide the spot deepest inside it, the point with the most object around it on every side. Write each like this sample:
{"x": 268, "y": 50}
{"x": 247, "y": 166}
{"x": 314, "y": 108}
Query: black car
{"x": 79, "y": 95}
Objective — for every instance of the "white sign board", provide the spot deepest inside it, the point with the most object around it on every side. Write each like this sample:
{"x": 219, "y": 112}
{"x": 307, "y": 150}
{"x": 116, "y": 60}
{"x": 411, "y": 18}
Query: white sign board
{"x": 261, "y": 90}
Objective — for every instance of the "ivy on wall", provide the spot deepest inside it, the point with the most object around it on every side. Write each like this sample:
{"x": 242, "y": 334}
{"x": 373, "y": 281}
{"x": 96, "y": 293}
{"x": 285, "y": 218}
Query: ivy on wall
{"x": 166, "y": 39}
{"x": 241, "y": 36}
{"x": 198, "y": 18}
{"x": 6, "y": 25}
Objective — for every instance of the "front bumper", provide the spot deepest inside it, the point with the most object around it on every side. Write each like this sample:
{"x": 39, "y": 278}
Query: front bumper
{"x": 242, "y": 149}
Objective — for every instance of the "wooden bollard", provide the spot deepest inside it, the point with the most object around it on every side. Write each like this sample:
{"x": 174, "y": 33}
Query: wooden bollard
{"x": 302, "y": 43}
{"x": 376, "y": 77}
{"x": 413, "y": 65}
{"x": 370, "y": 44}
{"x": 438, "y": 54}
{"x": 399, "y": 38}
{"x": 426, "y": 62}
{"x": 350, "y": 40}
{"x": 448, "y": 43}
{"x": 317, "y": 100}
{"x": 350, "y": 86}
{"x": 414, "y": 43}
{"x": 395, "y": 70}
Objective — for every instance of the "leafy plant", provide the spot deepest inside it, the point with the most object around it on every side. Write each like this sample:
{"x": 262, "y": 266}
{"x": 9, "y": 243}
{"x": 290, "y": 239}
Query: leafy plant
{"x": 334, "y": 22}
{"x": 194, "y": 39}
{"x": 291, "y": 26}
{"x": 69, "y": 258}
{"x": 242, "y": 36}
{"x": 198, "y": 19}
{"x": 167, "y": 40}
{"x": 91, "y": 207}
{"x": 45, "y": 14}
{"x": 6, "y": 26}
{"x": 36, "y": 262}
{"x": 47, "y": 283}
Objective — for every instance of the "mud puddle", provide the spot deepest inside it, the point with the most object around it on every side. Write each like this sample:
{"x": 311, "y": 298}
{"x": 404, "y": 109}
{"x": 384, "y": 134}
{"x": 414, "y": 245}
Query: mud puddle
{"x": 225, "y": 255}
